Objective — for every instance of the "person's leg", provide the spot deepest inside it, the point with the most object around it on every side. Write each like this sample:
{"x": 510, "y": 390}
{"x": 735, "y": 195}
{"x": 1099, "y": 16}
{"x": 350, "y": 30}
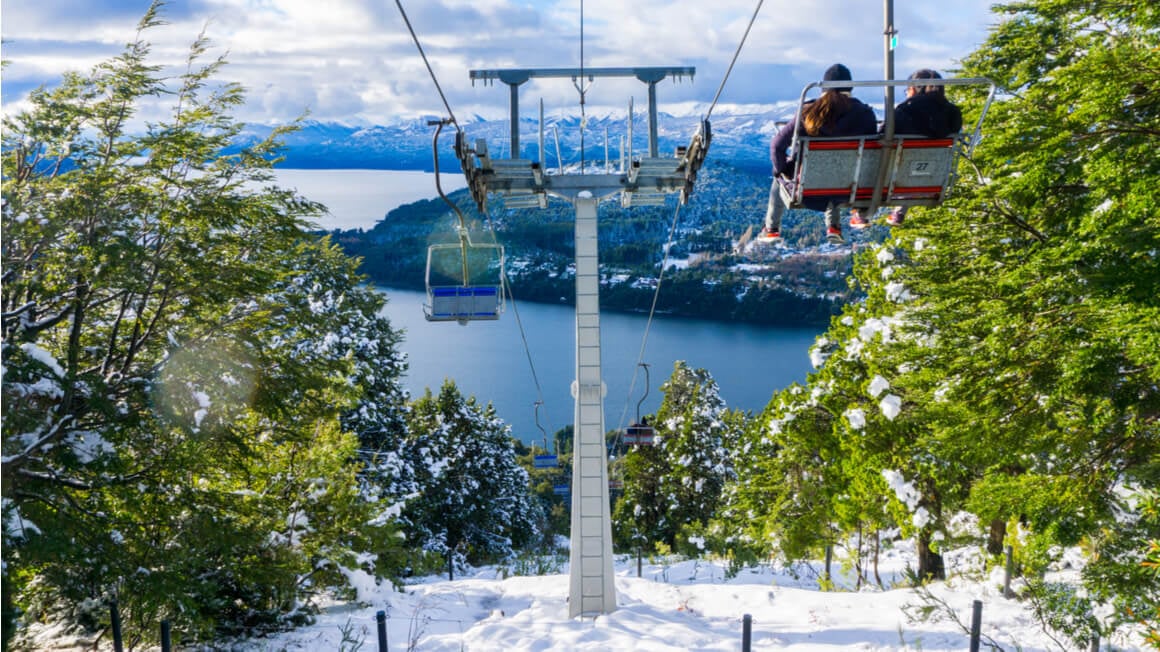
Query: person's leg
{"x": 834, "y": 222}
{"x": 896, "y": 216}
{"x": 774, "y": 209}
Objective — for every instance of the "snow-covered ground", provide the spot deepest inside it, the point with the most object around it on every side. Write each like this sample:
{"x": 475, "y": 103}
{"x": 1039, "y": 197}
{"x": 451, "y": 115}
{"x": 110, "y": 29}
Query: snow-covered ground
{"x": 685, "y": 605}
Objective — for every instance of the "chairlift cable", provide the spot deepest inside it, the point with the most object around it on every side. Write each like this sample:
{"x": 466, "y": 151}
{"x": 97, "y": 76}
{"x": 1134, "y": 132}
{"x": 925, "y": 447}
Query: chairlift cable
{"x": 648, "y": 324}
{"x": 459, "y": 214}
{"x": 735, "y": 55}
{"x": 523, "y": 336}
{"x": 427, "y": 63}
{"x": 582, "y": 88}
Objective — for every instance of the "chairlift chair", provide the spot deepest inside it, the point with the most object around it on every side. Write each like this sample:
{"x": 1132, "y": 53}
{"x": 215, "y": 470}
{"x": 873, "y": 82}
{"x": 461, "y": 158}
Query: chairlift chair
{"x": 866, "y": 172}
{"x": 640, "y": 433}
{"x": 464, "y": 281}
{"x": 548, "y": 460}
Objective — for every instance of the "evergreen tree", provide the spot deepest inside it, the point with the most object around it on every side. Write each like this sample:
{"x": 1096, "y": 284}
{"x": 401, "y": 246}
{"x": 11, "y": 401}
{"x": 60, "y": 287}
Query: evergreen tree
{"x": 177, "y": 351}
{"x": 671, "y": 490}
{"x": 473, "y": 503}
{"x": 1006, "y": 357}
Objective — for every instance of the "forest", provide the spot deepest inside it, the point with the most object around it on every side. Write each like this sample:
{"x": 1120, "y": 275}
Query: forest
{"x": 204, "y": 419}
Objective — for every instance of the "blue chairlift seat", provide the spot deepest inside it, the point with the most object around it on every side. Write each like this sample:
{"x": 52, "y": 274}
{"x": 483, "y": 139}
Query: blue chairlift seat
{"x": 464, "y": 282}
{"x": 464, "y": 303}
{"x": 545, "y": 462}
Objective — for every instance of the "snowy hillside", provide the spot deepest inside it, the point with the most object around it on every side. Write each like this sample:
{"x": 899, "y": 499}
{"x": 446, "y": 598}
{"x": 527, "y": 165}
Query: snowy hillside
{"x": 685, "y": 605}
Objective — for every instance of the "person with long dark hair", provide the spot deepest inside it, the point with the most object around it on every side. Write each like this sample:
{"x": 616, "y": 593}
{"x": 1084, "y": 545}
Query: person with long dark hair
{"x": 835, "y": 113}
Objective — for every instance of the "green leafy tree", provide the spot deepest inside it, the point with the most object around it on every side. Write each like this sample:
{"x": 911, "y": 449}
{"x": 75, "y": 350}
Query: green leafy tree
{"x": 177, "y": 353}
{"x": 1015, "y": 329}
{"x": 780, "y": 500}
{"x": 473, "y": 503}
{"x": 1042, "y": 284}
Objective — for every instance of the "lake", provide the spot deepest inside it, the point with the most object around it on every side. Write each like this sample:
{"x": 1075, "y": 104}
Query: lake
{"x": 359, "y": 199}
{"x": 488, "y": 360}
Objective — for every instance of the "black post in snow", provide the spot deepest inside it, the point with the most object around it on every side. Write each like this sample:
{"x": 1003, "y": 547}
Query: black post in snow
{"x": 115, "y": 621}
{"x": 166, "y": 639}
{"x": 381, "y": 620}
{"x": 746, "y": 632}
{"x": 976, "y": 624}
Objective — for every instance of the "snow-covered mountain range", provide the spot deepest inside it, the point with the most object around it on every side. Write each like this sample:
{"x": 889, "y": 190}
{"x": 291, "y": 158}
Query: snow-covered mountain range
{"x": 740, "y": 137}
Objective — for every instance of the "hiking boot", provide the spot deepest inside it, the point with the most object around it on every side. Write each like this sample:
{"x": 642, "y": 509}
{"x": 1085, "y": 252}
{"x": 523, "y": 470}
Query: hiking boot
{"x": 895, "y": 218}
{"x": 834, "y": 235}
{"x": 857, "y": 221}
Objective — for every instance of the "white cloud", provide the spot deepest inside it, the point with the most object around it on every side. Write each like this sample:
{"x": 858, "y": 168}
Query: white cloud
{"x": 354, "y": 60}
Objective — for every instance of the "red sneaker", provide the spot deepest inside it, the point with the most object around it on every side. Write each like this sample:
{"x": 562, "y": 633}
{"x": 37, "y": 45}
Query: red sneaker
{"x": 769, "y": 237}
{"x": 834, "y": 235}
{"x": 857, "y": 221}
{"x": 895, "y": 218}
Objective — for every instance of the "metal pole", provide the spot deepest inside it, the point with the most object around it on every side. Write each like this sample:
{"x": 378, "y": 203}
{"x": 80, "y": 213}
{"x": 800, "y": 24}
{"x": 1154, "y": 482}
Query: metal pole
{"x": 976, "y": 624}
{"x": 887, "y": 110}
{"x": 166, "y": 639}
{"x": 1008, "y": 571}
{"x": 559, "y": 156}
{"x": 652, "y": 120}
{"x": 889, "y": 33}
{"x": 515, "y": 126}
{"x": 746, "y": 633}
{"x": 607, "y": 165}
{"x": 381, "y": 621}
{"x": 115, "y": 621}
{"x": 543, "y": 158}
{"x": 592, "y": 585}
{"x": 1095, "y": 646}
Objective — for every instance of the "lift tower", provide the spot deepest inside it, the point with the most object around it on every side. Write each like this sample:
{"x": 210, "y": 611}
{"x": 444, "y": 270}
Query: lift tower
{"x": 644, "y": 180}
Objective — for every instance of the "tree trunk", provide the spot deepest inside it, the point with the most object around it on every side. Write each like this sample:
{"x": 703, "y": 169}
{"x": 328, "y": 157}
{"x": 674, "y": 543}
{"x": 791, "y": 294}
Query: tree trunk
{"x": 858, "y": 560}
{"x": 996, "y": 536}
{"x": 877, "y": 548}
{"x": 829, "y": 560}
{"x": 930, "y": 563}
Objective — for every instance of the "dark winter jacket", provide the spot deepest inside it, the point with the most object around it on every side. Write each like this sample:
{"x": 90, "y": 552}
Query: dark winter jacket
{"x": 858, "y": 120}
{"x": 927, "y": 114}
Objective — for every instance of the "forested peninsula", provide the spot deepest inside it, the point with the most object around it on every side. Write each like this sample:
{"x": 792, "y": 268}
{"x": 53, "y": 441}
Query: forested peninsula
{"x": 711, "y": 268}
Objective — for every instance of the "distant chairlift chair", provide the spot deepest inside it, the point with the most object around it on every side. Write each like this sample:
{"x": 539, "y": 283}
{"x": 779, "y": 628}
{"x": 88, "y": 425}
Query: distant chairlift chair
{"x": 640, "y": 433}
{"x": 464, "y": 281}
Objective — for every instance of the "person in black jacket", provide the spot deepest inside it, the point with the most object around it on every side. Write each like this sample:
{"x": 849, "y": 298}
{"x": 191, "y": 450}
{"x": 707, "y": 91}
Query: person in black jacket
{"x": 926, "y": 111}
{"x": 835, "y": 113}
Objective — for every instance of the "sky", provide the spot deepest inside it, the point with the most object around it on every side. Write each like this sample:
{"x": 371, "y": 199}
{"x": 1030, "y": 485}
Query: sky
{"x": 681, "y": 606}
{"x": 354, "y": 61}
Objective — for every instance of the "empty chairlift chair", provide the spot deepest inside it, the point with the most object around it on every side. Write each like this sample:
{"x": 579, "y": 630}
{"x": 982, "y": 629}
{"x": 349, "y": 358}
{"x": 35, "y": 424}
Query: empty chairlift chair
{"x": 464, "y": 282}
{"x": 640, "y": 433}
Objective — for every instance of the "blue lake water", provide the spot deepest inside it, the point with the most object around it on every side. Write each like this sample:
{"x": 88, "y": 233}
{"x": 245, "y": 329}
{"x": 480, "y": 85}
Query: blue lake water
{"x": 488, "y": 359}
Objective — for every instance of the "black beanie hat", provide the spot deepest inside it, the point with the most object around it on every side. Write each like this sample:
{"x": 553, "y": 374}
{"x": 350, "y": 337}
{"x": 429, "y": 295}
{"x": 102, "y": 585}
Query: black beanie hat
{"x": 838, "y": 72}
